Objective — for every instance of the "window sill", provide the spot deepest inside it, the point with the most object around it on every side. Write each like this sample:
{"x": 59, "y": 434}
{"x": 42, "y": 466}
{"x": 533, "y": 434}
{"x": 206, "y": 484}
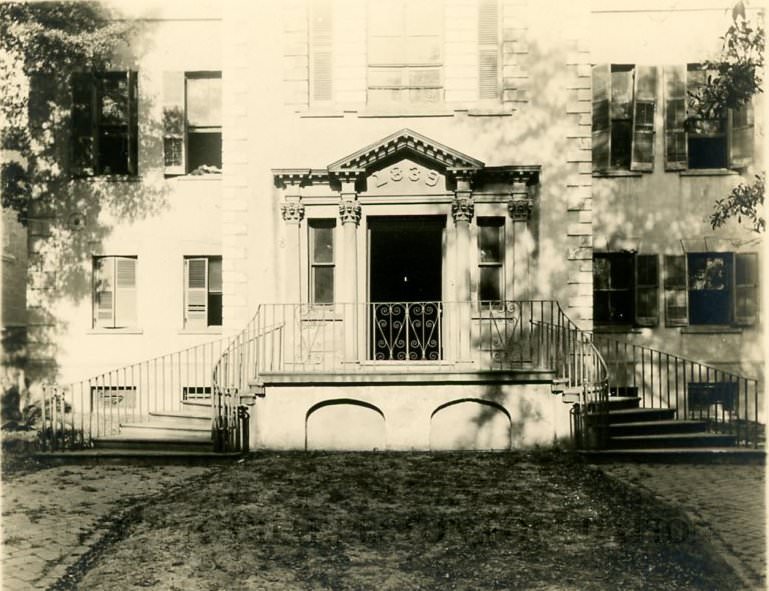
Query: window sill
{"x": 706, "y": 330}
{"x": 101, "y": 331}
{"x": 405, "y": 111}
{"x": 613, "y": 329}
{"x": 709, "y": 172}
{"x": 617, "y": 174}
{"x": 109, "y": 178}
{"x": 186, "y": 178}
{"x": 212, "y": 330}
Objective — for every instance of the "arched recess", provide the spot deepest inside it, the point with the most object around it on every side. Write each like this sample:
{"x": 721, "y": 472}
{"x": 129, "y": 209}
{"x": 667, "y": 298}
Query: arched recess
{"x": 470, "y": 423}
{"x": 344, "y": 424}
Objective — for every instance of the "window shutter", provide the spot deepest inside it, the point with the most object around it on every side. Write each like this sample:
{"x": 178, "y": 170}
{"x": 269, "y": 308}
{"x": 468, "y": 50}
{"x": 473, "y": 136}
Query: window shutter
{"x": 645, "y": 94}
{"x": 676, "y": 305}
{"x": 647, "y": 287}
{"x": 488, "y": 58}
{"x": 83, "y": 124}
{"x": 133, "y": 123}
{"x": 676, "y": 152}
{"x": 321, "y": 38}
{"x": 601, "y": 121}
{"x": 103, "y": 292}
{"x": 173, "y": 122}
{"x": 741, "y": 137}
{"x": 746, "y": 289}
{"x": 196, "y": 296}
{"x": 125, "y": 292}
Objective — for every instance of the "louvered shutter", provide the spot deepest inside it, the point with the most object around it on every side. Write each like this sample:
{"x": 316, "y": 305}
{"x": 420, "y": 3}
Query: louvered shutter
{"x": 488, "y": 45}
{"x": 676, "y": 150}
{"x": 103, "y": 292}
{"x": 133, "y": 123}
{"x": 676, "y": 304}
{"x": 647, "y": 285}
{"x": 746, "y": 289}
{"x": 601, "y": 120}
{"x": 83, "y": 124}
{"x": 196, "y": 292}
{"x": 321, "y": 38}
{"x": 173, "y": 122}
{"x": 125, "y": 292}
{"x": 741, "y": 137}
{"x": 645, "y": 95}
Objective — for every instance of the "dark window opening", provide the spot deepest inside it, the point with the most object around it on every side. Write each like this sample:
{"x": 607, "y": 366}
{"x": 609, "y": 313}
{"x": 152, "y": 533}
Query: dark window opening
{"x": 613, "y": 285}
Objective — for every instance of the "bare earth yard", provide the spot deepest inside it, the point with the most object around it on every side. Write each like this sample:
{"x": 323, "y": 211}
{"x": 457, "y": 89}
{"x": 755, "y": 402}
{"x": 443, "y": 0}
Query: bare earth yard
{"x": 399, "y": 522}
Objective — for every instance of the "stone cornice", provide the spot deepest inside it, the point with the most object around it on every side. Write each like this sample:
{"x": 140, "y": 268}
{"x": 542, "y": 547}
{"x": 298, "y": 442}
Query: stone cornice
{"x": 285, "y": 177}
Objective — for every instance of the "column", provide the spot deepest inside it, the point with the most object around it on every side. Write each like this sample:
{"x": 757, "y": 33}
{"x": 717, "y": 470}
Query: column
{"x": 349, "y": 214}
{"x": 292, "y": 211}
{"x": 520, "y": 206}
{"x": 461, "y": 318}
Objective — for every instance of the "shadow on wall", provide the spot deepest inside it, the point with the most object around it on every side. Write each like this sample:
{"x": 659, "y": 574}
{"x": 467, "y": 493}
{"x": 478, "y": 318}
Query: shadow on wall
{"x": 345, "y": 424}
{"x": 70, "y": 218}
{"x": 470, "y": 424}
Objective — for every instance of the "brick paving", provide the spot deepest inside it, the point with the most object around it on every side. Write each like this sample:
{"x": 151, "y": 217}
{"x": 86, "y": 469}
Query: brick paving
{"x": 726, "y": 503}
{"x": 51, "y": 517}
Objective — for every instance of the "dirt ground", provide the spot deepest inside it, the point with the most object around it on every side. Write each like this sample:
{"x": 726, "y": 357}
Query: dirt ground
{"x": 539, "y": 521}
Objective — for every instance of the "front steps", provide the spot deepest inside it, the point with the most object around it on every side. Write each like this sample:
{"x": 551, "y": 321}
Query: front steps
{"x": 653, "y": 435}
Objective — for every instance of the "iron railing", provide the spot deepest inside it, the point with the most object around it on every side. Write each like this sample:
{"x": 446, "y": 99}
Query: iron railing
{"x": 727, "y": 401}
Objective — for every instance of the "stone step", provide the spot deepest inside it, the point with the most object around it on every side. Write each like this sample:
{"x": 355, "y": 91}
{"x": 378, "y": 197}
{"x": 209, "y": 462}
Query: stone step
{"x": 672, "y": 440}
{"x": 621, "y": 402}
{"x": 183, "y": 417}
{"x": 140, "y": 457}
{"x": 656, "y": 427}
{"x": 161, "y": 444}
{"x": 635, "y": 415}
{"x": 165, "y": 430}
{"x": 686, "y": 455}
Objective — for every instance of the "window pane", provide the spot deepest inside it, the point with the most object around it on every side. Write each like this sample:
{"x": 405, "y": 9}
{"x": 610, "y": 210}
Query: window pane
{"x": 214, "y": 274}
{"x": 113, "y": 102}
{"x": 113, "y": 152}
{"x": 172, "y": 151}
{"x": 323, "y": 285}
{"x": 204, "y": 149}
{"x": 204, "y": 101}
{"x": 621, "y": 93}
{"x": 707, "y": 152}
{"x": 621, "y": 134}
{"x": 708, "y": 272}
{"x": 490, "y": 288}
{"x": 621, "y": 272}
{"x": 322, "y": 242}
{"x": 490, "y": 242}
{"x": 214, "y": 309}
{"x": 601, "y": 269}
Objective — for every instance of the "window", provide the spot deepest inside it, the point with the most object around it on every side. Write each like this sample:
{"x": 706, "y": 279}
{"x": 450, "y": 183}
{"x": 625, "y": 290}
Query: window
{"x": 491, "y": 259}
{"x": 104, "y": 123}
{"x": 693, "y": 142}
{"x": 625, "y": 289}
{"x": 623, "y": 117}
{"x": 114, "y": 292}
{"x": 405, "y": 52}
{"x": 322, "y": 261}
{"x": 711, "y": 288}
{"x": 192, "y": 122}
{"x": 202, "y": 291}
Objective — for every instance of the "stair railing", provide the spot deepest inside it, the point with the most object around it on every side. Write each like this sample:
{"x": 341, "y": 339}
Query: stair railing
{"x": 727, "y": 401}
{"x": 74, "y": 415}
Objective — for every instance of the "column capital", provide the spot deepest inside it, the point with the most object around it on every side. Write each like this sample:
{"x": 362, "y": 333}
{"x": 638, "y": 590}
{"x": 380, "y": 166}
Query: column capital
{"x": 462, "y": 207}
{"x": 520, "y": 208}
{"x": 349, "y": 211}
{"x": 292, "y": 211}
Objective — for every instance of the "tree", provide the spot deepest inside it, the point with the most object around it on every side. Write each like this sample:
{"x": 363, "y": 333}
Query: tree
{"x": 732, "y": 80}
{"x": 41, "y": 45}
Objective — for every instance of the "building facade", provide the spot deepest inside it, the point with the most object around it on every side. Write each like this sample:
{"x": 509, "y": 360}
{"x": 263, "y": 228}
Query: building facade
{"x": 399, "y": 201}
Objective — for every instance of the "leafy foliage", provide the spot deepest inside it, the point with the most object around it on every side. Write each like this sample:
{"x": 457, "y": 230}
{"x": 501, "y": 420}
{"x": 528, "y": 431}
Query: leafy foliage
{"x": 736, "y": 76}
{"x": 745, "y": 200}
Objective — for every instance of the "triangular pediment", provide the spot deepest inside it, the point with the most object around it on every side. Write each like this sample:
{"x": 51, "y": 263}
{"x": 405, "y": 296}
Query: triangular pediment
{"x": 404, "y": 143}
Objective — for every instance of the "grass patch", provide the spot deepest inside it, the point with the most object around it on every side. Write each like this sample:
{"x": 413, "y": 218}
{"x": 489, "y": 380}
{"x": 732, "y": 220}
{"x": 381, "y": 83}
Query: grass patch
{"x": 407, "y": 521}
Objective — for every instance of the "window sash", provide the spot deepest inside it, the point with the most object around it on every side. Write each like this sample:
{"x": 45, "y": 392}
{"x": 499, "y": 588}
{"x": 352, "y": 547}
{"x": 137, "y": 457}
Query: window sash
{"x": 491, "y": 259}
{"x": 322, "y": 260}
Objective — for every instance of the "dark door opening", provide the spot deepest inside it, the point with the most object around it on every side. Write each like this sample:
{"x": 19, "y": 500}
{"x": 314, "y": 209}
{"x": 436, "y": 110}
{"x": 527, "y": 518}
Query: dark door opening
{"x": 405, "y": 287}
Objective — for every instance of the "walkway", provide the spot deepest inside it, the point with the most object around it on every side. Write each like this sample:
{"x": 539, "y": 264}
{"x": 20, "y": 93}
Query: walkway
{"x": 51, "y": 517}
{"x": 726, "y": 503}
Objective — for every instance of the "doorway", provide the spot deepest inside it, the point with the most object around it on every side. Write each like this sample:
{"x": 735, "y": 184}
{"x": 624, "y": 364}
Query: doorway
{"x": 405, "y": 287}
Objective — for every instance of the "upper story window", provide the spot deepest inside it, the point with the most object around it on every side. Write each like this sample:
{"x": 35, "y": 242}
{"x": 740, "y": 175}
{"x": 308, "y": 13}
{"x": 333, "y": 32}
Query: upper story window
{"x": 114, "y": 292}
{"x": 405, "y": 52}
{"x": 104, "y": 123}
{"x": 623, "y": 117}
{"x": 192, "y": 122}
{"x": 692, "y": 142}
